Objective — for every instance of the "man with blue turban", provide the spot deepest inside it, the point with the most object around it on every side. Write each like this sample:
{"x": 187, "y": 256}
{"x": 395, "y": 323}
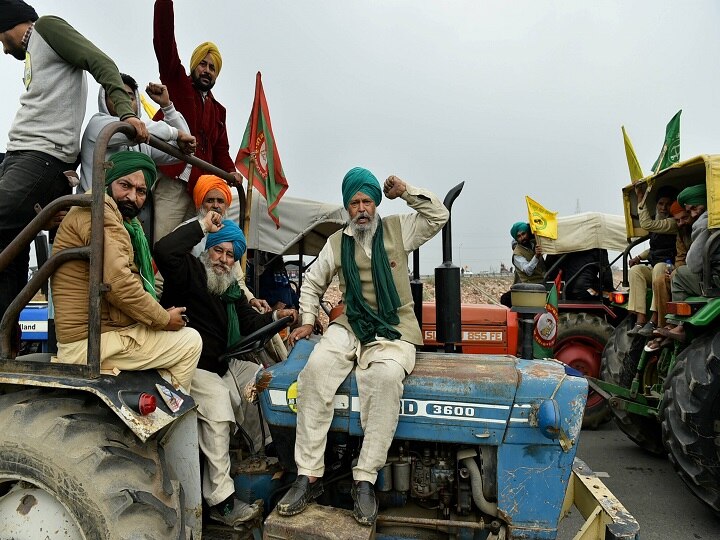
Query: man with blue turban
{"x": 129, "y": 311}
{"x": 376, "y": 334}
{"x": 219, "y": 310}
{"x": 527, "y": 255}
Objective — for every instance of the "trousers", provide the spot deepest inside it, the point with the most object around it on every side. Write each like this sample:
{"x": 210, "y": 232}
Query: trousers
{"x": 222, "y": 408}
{"x": 27, "y": 178}
{"x": 641, "y": 277}
{"x": 380, "y": 387}
{"x": 138, "y": 347}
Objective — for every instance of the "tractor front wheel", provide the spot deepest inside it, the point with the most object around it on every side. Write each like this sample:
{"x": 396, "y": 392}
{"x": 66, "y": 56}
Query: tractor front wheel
{"x": 620, "y": 360}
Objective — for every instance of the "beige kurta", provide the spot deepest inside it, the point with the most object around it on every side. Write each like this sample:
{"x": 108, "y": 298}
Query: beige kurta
{"x": 382, "y": 364}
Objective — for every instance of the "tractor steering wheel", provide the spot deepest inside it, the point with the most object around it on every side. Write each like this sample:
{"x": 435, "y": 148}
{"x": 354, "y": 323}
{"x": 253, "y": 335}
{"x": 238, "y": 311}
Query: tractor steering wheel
{"x": 256, "y": 340}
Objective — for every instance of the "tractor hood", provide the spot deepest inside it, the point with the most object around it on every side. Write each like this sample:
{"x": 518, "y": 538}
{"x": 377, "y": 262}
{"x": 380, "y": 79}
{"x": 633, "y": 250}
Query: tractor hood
{"x": 467, "y": 399}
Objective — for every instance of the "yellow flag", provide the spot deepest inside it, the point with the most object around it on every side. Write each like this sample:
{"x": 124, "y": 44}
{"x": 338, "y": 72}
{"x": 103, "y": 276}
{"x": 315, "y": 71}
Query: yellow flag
{"x": 543, "y": 222}
{"x": 633, "y": 164}
{"x": 149, "y": 109}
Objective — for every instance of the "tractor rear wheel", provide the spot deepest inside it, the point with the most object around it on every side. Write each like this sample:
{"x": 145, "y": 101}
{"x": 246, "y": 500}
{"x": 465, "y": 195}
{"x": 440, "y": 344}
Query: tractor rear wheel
{"x": 61, "y": 450}
{"x": 580, "y": 342}
{"x": 691, "y": 418}
{"x": 620, "y": 360}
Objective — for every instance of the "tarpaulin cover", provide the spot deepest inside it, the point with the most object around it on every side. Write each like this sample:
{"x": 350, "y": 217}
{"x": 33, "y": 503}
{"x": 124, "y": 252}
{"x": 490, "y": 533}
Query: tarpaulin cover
{"x": 588, "y": 230}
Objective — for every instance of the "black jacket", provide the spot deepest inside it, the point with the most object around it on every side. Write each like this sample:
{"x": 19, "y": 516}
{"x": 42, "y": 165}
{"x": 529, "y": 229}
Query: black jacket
{"x": 186, "y": 286}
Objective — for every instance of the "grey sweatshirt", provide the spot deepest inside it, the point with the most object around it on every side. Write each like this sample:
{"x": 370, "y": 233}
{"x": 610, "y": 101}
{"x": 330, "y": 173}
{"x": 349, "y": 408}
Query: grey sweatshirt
{"x": 52, "y": 108}
{"x": 166, "y": 130}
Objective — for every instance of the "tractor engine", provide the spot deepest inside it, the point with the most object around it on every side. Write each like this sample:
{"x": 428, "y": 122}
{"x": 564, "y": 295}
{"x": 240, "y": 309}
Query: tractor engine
{"x": 482, "y": 441}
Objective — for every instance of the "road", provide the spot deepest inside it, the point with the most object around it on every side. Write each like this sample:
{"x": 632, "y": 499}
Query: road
{"x": 647, "y": 486}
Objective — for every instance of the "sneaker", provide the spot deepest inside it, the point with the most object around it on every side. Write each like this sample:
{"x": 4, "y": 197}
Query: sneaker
{"x": 647, "y": 330}
{"x": 300, "y": 494}
{"x": 240, "y": 513}
{"x": 365, "y": 510}
{"x": 634, "y": 330}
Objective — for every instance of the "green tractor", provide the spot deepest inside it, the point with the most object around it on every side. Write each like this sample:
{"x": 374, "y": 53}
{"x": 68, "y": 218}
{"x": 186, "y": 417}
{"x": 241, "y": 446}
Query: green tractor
{"x": 667, "y": 400}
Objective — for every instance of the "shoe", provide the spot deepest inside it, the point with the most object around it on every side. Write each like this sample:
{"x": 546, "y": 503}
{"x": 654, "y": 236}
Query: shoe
{"x": 647, "y": 330}
{"x": 365, "y": 510}
{"x": 240, "y": 513}
{"x": 300, "y": 494}
{"x": 634, "y": 330}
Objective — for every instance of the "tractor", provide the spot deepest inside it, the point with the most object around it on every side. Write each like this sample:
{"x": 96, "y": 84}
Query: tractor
{"x": 585, "y": 325}
{"x": 667, "y": 400}
{"x": 485, "y": 447}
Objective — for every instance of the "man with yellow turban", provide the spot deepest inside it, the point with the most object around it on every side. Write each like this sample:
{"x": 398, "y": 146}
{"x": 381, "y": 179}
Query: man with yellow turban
{"x": 136, "y": 331}
{"x": 206, "y": 117}
{"x": 375, "y": 335}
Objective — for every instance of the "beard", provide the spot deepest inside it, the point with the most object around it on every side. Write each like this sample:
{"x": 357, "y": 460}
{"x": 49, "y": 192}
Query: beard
{"x": 217, "y": 283}
{"x": 364, "y": 233}
{"x": 202, "y": 84}
{"x": 128, "y": 209}
{"x": 17, "y": 52}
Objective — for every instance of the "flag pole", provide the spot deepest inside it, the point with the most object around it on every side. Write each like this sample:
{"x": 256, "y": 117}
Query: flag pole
{"x": 248, "y": 206}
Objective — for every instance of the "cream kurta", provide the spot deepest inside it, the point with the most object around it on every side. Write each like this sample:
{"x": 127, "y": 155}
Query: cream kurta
{"x": 382, "y": 364}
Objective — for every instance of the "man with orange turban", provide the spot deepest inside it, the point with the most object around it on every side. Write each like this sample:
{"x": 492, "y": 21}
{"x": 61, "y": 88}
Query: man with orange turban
{"x": 206, "y": 117}
{"x": 212, "y": 193}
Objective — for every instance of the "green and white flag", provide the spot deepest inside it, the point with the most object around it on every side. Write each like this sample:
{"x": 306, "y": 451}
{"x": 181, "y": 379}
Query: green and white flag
{"x": 670, "y": 152}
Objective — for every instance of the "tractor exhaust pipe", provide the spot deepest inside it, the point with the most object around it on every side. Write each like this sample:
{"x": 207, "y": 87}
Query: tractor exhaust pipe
{"x": 447, "y": 284}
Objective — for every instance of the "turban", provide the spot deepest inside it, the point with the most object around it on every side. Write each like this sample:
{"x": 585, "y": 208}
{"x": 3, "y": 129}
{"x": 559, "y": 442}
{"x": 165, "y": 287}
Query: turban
{"x": 359, "y": 179}
{"x": 205, "y": 184}
{"x": 676, "y": 208}
{"x": 127, "y": 162}
{"x": 229, "y": 233}
{"x": 519, "y": 227}
{"x": 201, "y": 51}
{"x": 693, "y": 196}
{"x": 14, "y": 12}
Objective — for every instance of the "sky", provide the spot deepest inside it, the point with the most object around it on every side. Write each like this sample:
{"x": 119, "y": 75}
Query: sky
{"x": 513, "y": 98}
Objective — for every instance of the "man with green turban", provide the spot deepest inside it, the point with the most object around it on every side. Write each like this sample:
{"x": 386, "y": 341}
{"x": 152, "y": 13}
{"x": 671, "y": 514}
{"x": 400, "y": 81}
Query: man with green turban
{"x": 687, "y": 279}
{"x": 377, "y": 333}
{"x": 136, "y": 332}
{"x": 527, "y": 255}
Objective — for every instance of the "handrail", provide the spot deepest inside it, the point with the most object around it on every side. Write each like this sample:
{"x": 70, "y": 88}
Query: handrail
{"x": 93, "y": 253}
{"x": 625, "y": 253}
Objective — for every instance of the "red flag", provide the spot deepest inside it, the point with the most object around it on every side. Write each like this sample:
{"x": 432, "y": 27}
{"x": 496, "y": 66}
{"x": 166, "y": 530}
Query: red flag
{"x": 259, "y": 143}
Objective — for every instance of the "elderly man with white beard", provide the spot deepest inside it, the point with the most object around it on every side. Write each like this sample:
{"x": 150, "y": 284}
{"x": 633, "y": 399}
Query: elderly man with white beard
{"x": 218, "y": 309}
{"x": 377, "y": 333}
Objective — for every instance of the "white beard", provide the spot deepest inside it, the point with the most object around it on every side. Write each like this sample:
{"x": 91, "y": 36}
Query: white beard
{"x": 217, "y": 284}
{"x": 364, "y": 234}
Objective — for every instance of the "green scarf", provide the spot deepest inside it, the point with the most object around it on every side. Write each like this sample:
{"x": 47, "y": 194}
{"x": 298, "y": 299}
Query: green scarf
{"x": 143, "y": 259}
{"x": 231, "y": 295}
{"x": 365, "y": 322}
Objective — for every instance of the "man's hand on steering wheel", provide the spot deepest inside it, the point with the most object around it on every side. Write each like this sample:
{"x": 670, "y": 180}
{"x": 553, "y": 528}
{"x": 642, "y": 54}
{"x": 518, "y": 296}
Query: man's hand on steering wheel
{"x": 280, "y": 313}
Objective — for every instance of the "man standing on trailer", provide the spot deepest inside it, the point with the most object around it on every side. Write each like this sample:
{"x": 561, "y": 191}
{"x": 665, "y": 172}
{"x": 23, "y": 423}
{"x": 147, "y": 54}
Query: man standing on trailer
{"x": 44, "y": 140}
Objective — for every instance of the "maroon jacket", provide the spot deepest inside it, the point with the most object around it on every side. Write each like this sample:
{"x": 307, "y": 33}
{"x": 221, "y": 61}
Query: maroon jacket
{"x": 206, "y": 118}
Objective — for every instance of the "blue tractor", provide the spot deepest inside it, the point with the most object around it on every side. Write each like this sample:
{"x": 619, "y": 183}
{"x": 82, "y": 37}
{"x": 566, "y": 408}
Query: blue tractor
{"x": 485, "y": 447}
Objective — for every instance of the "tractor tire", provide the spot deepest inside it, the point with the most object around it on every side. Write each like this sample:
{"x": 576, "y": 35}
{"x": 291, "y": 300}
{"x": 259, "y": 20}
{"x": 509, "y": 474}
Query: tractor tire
{"x": 580, "y": 342}
{"x": 620, "y": 359}
{"x": 691, "y": 418}
{"x": 72, "y": 447}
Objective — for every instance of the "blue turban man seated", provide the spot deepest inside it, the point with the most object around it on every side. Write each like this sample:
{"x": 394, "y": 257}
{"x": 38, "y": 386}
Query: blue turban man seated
{"x": 219, "y": 310}
{"x": 376, "y": 334}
